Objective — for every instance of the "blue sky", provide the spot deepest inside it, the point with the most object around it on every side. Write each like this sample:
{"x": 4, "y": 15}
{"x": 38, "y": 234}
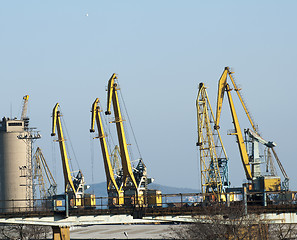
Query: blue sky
{"x": 161, "y": 50}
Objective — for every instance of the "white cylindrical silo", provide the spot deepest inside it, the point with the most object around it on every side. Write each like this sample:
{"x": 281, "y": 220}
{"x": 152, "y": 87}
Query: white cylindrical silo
{"x": 15, "y": 173}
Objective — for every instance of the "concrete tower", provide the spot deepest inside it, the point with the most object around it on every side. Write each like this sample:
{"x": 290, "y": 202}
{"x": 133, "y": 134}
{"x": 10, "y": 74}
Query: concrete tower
{"x": 15, "y": 166}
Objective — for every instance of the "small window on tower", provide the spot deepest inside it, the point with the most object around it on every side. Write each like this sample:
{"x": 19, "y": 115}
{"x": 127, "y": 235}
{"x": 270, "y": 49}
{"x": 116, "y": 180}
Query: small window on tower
{"x": 15, "y": 124}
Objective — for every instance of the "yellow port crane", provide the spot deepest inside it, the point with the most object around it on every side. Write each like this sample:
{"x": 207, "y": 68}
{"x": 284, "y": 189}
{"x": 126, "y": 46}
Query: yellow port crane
{"x": 24, "y": 116}
{"x": 251, "y": 163}
{"x": 213, "y": 157}
{"x": 240, "y": 141}
{"x": 125, "y": 158}
{"x": 134, "y": 181}
{"x": 25, "y": 106}
{"x": 129, "y": 184}
{"x": 46, "y": 182}
{"x": 74, "y": 188}
{"x": 114, "y": 188}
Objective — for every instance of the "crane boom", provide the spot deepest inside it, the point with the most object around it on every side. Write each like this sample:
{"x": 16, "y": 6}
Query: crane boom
{"x": 110, "y": 93}
{"x": 25, "y": 106}
{"x": 69, "y": 186}
{"x": 111, "y": 182}
{"x": 40, "y": 163}
{"x": 242, "y": 148}
{"x": 258, "y": 138}
{"x": 237, "y": 90}
{"x": 47, "y": 171}
{"x": 125, "y": 158}
{"x": 280, "y": 164}
{"x": 222, "y": 87}
{"x": 221, "y": 91}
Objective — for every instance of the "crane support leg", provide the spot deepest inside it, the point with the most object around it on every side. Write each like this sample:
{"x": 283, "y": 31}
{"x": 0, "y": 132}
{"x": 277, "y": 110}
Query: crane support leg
{"x": 61, "y": 233}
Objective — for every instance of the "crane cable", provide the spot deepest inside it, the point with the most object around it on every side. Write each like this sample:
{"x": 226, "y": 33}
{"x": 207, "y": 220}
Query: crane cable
{"x": 109, "y": 136}
{"x": 67, "y": 134}
{"x": 92, "y": 160}
{"x": 137, "y": 146}
{"x": 54, "y": 159}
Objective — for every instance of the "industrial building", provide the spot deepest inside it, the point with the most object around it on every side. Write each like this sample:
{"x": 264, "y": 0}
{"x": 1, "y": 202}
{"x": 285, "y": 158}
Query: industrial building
{"x": 16, "y": 181}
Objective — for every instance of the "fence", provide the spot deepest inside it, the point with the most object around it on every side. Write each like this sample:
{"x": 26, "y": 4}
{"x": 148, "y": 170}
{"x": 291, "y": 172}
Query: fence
{"x": 261, "y": 201}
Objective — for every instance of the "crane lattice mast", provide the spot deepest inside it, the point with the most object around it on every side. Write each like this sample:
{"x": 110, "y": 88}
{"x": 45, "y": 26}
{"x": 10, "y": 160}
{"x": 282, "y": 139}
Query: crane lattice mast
{"x": 213, "y": 157}
{"x": 46, "y": 181}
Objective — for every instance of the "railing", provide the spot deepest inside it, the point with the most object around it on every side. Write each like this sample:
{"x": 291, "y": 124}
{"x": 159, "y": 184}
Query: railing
{"x": 171, "y": 203}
